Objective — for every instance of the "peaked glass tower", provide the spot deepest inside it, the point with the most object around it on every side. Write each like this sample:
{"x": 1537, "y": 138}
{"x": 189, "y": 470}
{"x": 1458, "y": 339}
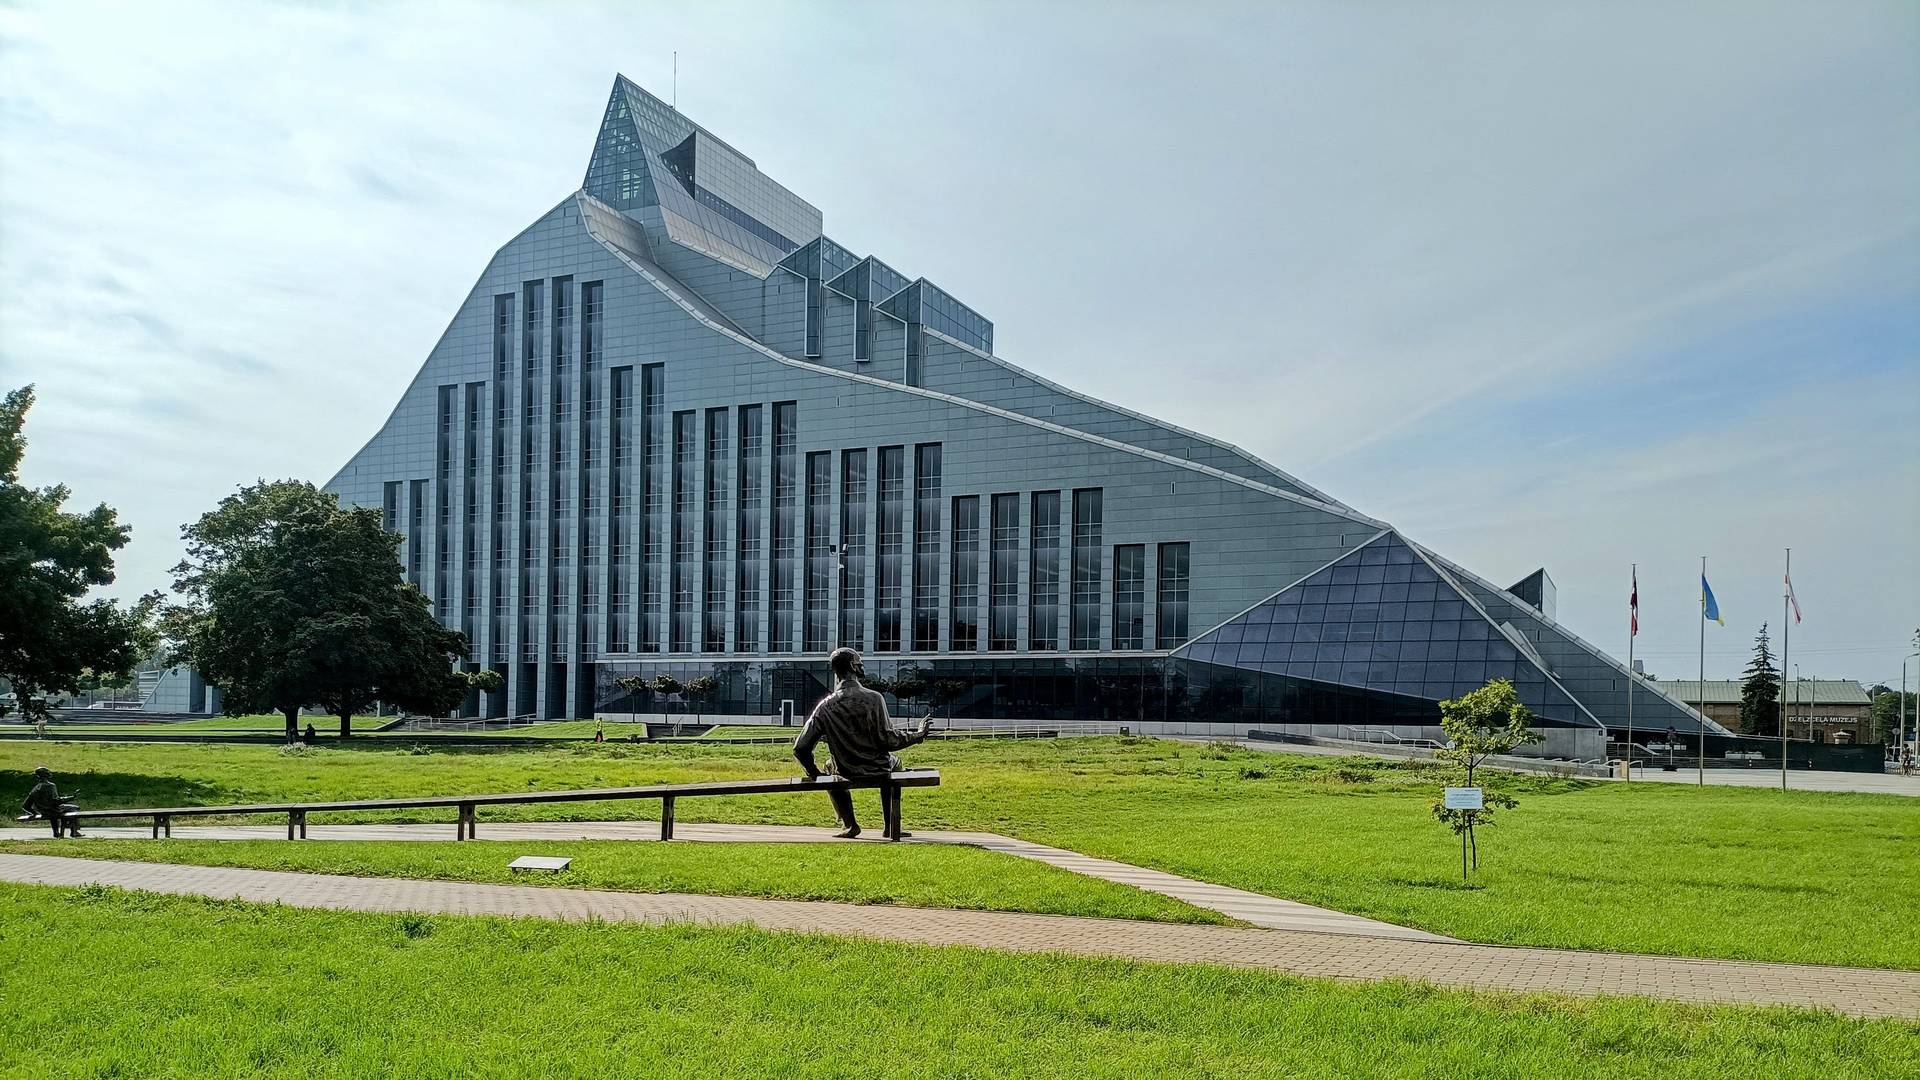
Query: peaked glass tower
{"x": 675, "y": 428}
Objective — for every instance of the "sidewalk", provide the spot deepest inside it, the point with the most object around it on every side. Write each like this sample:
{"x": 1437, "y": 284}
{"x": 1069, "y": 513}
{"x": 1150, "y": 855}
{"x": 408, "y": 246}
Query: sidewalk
{"x": 1851, "y": 991}
{"x": 1253, "y": 908}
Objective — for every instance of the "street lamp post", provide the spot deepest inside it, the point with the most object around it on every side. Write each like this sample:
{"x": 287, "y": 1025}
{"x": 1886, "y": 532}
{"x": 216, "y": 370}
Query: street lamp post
{"x": 1901, "y": 746}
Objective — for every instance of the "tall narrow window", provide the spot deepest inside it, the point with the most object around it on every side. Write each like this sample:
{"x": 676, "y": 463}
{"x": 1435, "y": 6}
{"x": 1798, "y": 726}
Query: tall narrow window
{"x": 853, "y": 548}
{"x": 747, "y": 551}
{"x": 1170, "y": 620}
{"x": 1085, "y": 619}
{"x": 713, "y": 634}
{"x": 497, "y": 547}
{"x": 927, "y": 533}
{"x": 417, "y": 532}
{"x": 619, "y": 511}
{"x": 1043, "y": 591}
{"x": 1003, "y": 575}
{"x": 528, "y": 577}
{"x": 686, "y": 487}
{"x": 817, "y": 624}
{"x": 965, "y": 621}
{"x": 390, "y": 506}
{"x": 653, "y": 502}
{"x": 443, "y": 502}
{"x": 784, "y": 581}
{"x": 470, "y": 511}
{"x": 891, "y": 549}
{"x": 1130, "y": 596}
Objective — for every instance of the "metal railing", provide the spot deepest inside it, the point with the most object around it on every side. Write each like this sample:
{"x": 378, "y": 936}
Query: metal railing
{"x": 445, "y": 723}
{"x": 1384, "y": 737}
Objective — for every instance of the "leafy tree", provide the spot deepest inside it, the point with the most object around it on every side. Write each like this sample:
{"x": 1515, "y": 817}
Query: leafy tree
{"x": 50, "y": 641}
{"x": 945, "y": 692}
{"x": 699, "y": 690}
{"x": 633, "y": 686}
{"x": 665, "y": 686}
{"x": 1884, "y": 715}
{"x": 1487, "y": 722}
{"x": 1760, "y": 692}
{"x": 293, "y": 600}
{"x": 908, "y": 684}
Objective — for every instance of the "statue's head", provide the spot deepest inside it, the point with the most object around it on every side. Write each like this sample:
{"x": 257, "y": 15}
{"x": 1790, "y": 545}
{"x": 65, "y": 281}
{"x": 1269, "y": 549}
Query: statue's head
{"x": 43, "y": 773}
{"x": 846, "y": 664}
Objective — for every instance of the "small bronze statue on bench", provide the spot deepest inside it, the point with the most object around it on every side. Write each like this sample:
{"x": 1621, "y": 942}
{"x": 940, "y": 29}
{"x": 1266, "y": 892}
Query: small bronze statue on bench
{"x": 45, "y": 801}
{"x": 854, "y": 721}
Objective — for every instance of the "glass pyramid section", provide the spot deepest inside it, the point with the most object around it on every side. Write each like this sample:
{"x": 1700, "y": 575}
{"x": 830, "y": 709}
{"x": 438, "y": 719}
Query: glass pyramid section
{"x": 1381, "y": 618}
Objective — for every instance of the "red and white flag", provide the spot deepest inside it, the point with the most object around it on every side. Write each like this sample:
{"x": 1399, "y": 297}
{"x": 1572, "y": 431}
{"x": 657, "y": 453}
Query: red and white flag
{"x": 1793, "y": 601}
{"x": 1633, "y": 607}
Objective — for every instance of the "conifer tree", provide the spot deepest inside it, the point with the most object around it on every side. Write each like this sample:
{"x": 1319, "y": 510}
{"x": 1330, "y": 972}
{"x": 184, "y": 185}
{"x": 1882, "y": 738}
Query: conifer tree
{"x": 1760, "y": 690}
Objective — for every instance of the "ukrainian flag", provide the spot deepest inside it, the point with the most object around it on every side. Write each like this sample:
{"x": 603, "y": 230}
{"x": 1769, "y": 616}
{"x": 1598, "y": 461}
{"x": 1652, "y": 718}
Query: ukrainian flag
{"x": 1709, "y": 607}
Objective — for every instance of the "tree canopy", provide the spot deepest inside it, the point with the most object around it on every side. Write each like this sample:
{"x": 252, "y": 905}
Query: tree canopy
{"x": 53, "y": 640}
{"x": 293, "y": 600}
{"x": 1760, "y": 690}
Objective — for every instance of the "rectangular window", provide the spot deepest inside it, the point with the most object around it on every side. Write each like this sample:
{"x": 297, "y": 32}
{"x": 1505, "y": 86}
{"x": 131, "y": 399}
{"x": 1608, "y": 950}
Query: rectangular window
{"x": 818, "y": 613}
{"x": 927, "y": 533}
{"x": 1171, "y": 608}
{"x": 686, "y": 489}
{"x": 889, "y": 569}
{"x": 713, "y": 633}
{"x": 590, "y": 314}
{"x": 390, "y": 507}
{"x": 1085, "y": 585}
{"x": 1043, "y": 591}
{"x": 747, "y": 553}
{"x": 654, "y": 468}
{"x": 853, "y": 548}
{"x": 783, "y": 584}
{"x": 1130, "y": 596}
{"x": 1003, "y": 575}
{"x": 965, "y": 621}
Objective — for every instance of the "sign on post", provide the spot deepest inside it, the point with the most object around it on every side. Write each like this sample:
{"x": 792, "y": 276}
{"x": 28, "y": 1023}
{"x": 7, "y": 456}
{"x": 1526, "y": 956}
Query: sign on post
{"x": 1464, "y": 798}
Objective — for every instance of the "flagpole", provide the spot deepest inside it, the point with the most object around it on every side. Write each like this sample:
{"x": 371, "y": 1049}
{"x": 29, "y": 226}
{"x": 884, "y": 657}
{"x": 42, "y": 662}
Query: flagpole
{"x": 1632, "y": 618}
{"x": 1701, "y": 720}
{"x": 1786, "y": 643}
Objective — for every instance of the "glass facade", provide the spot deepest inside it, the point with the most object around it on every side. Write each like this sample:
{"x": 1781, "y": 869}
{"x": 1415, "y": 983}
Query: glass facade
{"x": 1085, "y": 583}
{"x": 753, "y": 508}
{"x": 854, "y": 494}
{"x": 820, "y": 560}
{"x": 783, "y": 583}
{"x": 1130, "y": 596}
{"x": 1381, "y": 619}
{"x": 892, "y": 545}
{"x": 1170, "y": 612}
{"x": 713, "y": 600}
{"x": 927, "y": 534}
{"x": 965, "y": 623}
{"x": 1043, "y": 607}
{"x": 1003, "y": 575}
{"x": 686, "y": 488}
{"x": 653, "y": 502}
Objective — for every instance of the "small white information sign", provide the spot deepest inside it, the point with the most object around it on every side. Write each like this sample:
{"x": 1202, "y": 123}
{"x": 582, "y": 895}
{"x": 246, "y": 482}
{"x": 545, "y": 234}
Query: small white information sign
{"x": 1464, "y": 798}
{"x": 539, "y": 862}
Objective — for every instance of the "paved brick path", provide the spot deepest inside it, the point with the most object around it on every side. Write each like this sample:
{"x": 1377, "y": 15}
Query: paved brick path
{"x": 1252, "y": 908}
{"x": 1855, "y": 991}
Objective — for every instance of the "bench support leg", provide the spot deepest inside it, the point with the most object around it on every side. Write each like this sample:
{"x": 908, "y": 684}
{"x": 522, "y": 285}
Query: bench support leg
{"x": 666, "y": 817}
{"x": 292, "y": 816}
{"x": 303, "y": 824}
{"x": 464, "y": 827}
{"x": 890, "y": 811}
{"x": 156, "y": 826}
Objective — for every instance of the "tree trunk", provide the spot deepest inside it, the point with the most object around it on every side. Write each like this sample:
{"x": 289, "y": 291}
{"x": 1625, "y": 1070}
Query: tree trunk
{"x": 346, "y": 723}
{"x": 293, "y": 724}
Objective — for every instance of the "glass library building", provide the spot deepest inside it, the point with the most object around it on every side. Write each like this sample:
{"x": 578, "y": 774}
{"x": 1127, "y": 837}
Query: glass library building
{"x": 676, "y": 429}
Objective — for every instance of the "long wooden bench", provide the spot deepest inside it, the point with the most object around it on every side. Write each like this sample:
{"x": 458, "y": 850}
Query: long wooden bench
{"x": 469, "y": 805}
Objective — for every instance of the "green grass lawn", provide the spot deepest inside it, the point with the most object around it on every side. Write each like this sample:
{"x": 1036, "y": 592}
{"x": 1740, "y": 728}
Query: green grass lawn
{"x": 1719, "y": 872}
{"x": 914, "y": 875}
{"x": 104, "y": 983}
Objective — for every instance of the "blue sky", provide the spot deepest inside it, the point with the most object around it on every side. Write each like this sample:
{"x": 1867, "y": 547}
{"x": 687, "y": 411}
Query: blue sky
{"x": 1565, "y": 285}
